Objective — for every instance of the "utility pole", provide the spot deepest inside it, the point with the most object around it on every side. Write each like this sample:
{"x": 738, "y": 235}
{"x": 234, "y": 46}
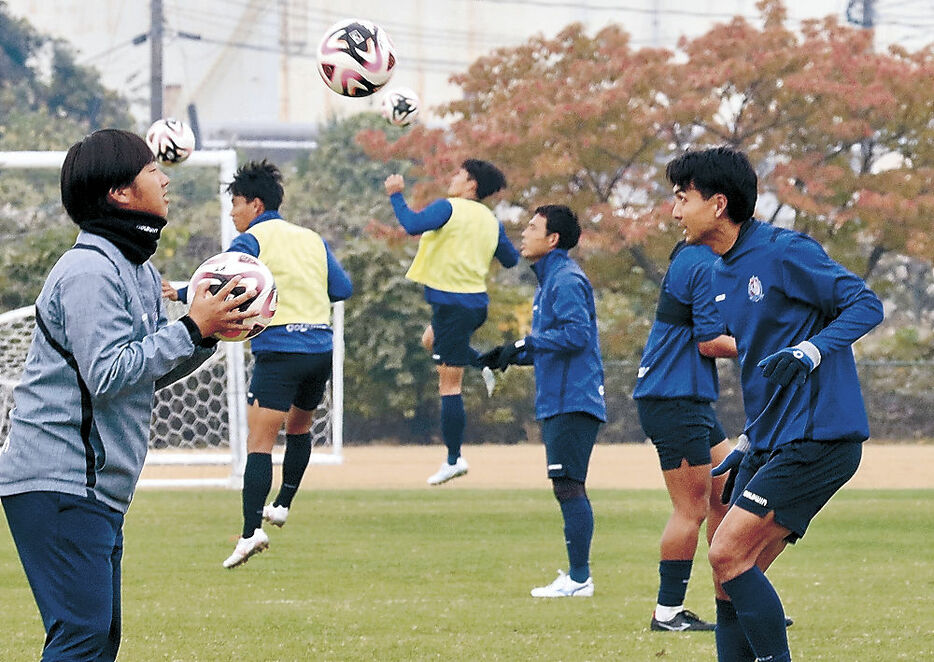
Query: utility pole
{"x": 865, "y": 16}
{"x": 867, "y": 20}
{"x": 155, "y": 60}
{"x": 284, "y": 99}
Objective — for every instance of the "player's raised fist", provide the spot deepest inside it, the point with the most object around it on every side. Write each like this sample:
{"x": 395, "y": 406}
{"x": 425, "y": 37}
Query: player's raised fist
{"x": 394, "y": 184}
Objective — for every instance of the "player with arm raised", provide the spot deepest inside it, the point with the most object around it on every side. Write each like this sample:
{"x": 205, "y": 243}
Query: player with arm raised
{"x": 459, "y": 238}
{"x": 676, "y": 383}
{"x": 565, "y": 349}
{"x": 292, "y": 356}
{"x": 79, "y": 430}
{"x": 795, "y": 314}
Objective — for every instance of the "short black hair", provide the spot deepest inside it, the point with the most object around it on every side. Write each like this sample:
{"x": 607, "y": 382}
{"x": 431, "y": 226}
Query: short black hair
{"x": 561, "y": 220}
{"x": 105, "y": 160}
{"x": 258, "y": 179}
{"x": 489, "y": 178}
{"x": 718, "y": 170}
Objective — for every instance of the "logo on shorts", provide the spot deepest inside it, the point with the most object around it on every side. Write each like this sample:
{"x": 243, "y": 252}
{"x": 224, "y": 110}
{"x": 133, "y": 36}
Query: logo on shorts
{"x": 555, "y": 467}
{"x": 762, "y": 501}
{"x": 643, "y": 370}
{"x": 755, "y": 289}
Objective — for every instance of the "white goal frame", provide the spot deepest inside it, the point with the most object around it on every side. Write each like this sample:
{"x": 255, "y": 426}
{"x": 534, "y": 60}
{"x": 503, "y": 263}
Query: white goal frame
{"x": 236, "y": 364}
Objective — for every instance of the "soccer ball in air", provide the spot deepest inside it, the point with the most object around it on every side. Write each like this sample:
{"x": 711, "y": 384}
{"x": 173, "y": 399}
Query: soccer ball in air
{"x": 171, "y": 140}
{"x": 400, "y": 106}
{"x": 356, "y": 57}
{"x": 254, "y": 274}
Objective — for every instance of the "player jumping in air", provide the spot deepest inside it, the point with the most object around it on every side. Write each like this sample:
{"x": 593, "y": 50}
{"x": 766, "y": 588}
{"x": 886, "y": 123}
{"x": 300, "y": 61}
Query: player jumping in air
{"x": 795, "y": 314}
{"x": 565, "y": 350}
{"x": 292, "y": 356}
{"x": 676, "y": 383}
{"x": 459, "y": 238}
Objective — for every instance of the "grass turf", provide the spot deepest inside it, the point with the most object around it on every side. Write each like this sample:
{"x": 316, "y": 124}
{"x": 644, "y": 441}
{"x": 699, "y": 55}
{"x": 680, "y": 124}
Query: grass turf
{"x": 445, "y": 574}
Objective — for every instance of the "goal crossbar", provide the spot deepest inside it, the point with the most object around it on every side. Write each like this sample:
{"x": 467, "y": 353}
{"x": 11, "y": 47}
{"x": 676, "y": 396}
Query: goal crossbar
{"x": 228, "y": 407}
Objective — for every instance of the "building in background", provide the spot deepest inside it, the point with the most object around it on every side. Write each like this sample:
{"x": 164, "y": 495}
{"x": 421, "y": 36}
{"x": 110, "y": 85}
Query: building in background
{"x": 248, "y": 66}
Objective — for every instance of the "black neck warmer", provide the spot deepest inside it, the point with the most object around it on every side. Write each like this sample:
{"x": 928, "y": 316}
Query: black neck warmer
{"x": 135, "y": 233}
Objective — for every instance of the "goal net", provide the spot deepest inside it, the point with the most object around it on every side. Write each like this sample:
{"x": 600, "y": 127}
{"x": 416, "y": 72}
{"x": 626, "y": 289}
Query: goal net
{"x": 199, "y": 421}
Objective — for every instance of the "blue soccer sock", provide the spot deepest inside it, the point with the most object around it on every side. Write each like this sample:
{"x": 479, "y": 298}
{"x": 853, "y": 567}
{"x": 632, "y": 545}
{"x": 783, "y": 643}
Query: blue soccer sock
{"x": 257, "y": 480}
{"x": 673, "y": 582}
{"x": 732, "y": 645}
{"x": 578, "y": 533}
{"x": 453, "y": 422}
{"x": 297, "y": 453}
{"x": 760, "y": 613}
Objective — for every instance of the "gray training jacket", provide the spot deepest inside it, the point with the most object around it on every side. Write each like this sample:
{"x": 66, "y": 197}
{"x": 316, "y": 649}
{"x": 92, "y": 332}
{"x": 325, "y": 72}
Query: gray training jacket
{"x": 82, "y": 411}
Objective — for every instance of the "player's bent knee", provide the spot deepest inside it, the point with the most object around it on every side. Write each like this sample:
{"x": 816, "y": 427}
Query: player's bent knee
{"x": 692, "y": 516}
{"x": 566, "y": 489}
{"x": 719, "y": 556}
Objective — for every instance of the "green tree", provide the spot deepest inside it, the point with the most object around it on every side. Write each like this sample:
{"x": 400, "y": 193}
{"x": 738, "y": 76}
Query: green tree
{"x": 337, "y": 188}
{"x": 840, "y": 134}
{"x": 48, "y": 102}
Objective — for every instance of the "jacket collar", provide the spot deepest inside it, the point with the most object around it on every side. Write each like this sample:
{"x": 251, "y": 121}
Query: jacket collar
{"x": 548, "y": 260}
{"x": 744, "y": 231}
{"x": 265, "y": 216}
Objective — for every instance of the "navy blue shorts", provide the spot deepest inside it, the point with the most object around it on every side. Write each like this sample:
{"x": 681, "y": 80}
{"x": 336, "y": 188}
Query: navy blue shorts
{"x": 569, "y": 440}
{"x": 71, "y": 548}
{"x": 453, "y": 326}
{"x": 283, "y": 379}
{"x": 796, "y": 480}
{"x": 680, "y": 428}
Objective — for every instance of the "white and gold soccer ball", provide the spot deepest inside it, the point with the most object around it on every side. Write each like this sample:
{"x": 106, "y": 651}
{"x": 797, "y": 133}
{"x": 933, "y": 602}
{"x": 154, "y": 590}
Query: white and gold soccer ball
{"x": 255, "y": 275}
{"x": 171, "y": 140}
{"x": 356, "y": 57}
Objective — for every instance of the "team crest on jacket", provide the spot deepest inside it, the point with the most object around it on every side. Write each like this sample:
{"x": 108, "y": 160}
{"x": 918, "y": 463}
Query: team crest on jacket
{"x": 755, "y": 289}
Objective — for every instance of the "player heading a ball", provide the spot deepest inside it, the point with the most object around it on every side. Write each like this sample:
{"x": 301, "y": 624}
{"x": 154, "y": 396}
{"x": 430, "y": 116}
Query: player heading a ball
{"x": 171, "y": 140}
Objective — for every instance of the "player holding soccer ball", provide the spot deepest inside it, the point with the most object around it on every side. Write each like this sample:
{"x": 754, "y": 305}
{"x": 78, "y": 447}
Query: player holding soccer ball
{"x": 677, "y": 381}
{"x": 795, "y": 314}
{"x": 292, "y": 356}
{"x": 569, "y": 402}
{"x": 459, "y": 238}
{"x": 79, "y": 430}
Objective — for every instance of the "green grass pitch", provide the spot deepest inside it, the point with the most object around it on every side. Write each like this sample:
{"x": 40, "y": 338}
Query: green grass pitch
{"x": 444, "y": 574}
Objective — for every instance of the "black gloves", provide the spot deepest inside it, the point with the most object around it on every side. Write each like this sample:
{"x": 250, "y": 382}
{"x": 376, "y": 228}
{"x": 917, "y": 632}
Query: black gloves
{"x": 500, "y": 358}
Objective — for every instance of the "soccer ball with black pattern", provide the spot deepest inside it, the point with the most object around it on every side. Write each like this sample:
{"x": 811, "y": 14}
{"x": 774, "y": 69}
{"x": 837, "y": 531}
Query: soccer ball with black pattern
{"x": 255, "y": 275}
{"x": 171, "y": 140}
{"x": 356, "y": 57}
{"x": 400, "y": 106}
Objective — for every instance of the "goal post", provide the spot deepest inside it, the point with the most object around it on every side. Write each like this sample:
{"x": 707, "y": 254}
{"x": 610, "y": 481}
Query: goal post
{"x": 201, "y": 419}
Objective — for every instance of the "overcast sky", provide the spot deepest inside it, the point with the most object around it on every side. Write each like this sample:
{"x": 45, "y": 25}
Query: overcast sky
{"x": 253, "y": 61}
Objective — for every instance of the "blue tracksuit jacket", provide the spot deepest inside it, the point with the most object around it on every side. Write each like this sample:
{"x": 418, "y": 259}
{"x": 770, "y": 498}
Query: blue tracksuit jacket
{"x": 671, "y": 365}
{"x": 776, "y": 288}
{"x": 563, "y": 345}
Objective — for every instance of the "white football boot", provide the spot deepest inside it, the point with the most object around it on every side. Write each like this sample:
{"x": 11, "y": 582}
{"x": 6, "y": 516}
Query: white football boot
{"x": 275, "y": 515}
{"x": 247, "y": 547}
{"x": 565, "y": 587}
{"x": 448, "y": 471}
